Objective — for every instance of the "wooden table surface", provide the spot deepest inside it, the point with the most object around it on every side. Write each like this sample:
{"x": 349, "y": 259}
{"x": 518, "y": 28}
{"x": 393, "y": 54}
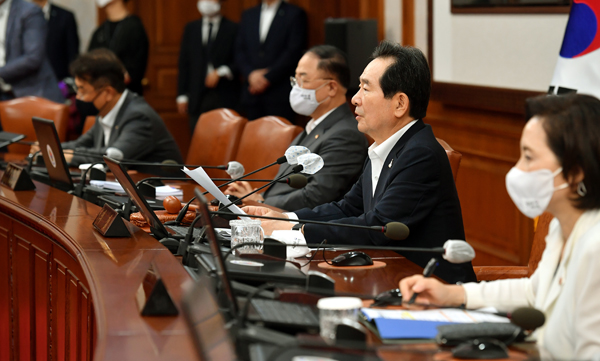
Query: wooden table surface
{"x": 113, "y": 268}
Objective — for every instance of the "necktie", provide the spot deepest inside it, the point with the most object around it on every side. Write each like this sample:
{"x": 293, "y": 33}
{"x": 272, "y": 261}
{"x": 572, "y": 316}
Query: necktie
{"x": 209, "y": 42}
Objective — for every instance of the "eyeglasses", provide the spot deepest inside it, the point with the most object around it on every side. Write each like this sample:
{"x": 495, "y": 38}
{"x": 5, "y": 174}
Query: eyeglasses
{"x": 294, "y": 81}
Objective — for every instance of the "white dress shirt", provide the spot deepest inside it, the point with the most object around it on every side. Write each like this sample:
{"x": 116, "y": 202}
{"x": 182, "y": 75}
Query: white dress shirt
{"x": 107, "y": 123}
{"x": 223, "y": 71}
{"x": 46, "y": 10}
{"x": 4, "y": 12}
{"x": 267, "y": 14}
{"x": 379, "y": 152}
{"x": 566, "y": 290}
{"x": 312, "y": 124}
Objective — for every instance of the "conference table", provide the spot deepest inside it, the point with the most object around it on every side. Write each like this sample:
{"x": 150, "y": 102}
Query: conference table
{"x": 68, "y": 293}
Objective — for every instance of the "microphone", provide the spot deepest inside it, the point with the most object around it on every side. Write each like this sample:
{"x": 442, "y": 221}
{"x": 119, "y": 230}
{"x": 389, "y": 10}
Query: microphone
{"x": 235, "y": 169}
{"x": 297, "y": 181}
{"x": 393, "y": 230}
{"x": 528, "y": 318}
{"x": 279, "y": 160}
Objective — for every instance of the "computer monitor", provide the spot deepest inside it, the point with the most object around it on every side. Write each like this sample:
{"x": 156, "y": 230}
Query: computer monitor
{"x": 156, "y": 227}
{"x": 219, "y": 261}
{"x": 54, "y": 158}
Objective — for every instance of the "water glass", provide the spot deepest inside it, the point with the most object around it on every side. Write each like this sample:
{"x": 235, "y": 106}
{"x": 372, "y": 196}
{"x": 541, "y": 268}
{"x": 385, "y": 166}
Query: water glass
{"x": 333, "y": 311}
{"x": 246, "y": 231}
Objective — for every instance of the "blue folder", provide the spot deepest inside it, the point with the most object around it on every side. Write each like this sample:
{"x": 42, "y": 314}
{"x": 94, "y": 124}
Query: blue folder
{"x": 407, "y": 329}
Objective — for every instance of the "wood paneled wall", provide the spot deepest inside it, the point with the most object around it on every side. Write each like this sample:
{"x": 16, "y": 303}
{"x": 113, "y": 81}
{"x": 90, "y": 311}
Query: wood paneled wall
{"x": 45, "y": 304}
{"x": 165, "y": 20}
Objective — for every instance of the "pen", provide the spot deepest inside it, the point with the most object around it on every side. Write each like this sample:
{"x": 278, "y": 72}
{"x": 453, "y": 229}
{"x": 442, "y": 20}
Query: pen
{"x": 427, "y": 272}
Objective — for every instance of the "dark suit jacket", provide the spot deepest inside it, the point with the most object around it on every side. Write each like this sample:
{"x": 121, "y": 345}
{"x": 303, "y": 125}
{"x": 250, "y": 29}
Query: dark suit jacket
{"x": 192, "y": 64}
{"x": 62, "y": 44}
{"x": 416, "y": 187}
{"x": 280, "y": 52}
{"x": 27, "y": 68}
{"x": 129, "y": 42}
{"x": 343, "y": 149}
{"x": 138, "y": 132}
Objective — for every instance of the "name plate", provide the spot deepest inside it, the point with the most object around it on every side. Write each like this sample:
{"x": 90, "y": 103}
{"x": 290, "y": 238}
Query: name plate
{"x": 16, "y": 178}
{"x": 152, "y": 296}
{"x": 110, "y": 224}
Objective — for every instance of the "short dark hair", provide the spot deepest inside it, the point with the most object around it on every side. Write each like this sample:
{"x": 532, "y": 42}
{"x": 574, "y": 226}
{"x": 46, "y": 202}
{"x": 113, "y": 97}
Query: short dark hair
{"x": 100, "y": 67}
{"x": 409, "y": 74}
{"x": 572, "y": 126}
{"x": 333, "y": 61}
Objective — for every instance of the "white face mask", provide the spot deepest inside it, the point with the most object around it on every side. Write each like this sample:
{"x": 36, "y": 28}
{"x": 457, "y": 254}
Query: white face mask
{"x": 532, "y": 191}
{"x": 209, "y": 8}
{"x": 304, "y": 101}
{"x": 103, "y": 3}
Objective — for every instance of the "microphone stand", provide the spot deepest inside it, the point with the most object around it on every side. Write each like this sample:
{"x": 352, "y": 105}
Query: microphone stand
{"x": 183, "y": 210}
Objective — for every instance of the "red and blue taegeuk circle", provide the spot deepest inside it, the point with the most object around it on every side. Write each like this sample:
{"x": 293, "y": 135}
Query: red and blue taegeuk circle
{"x": 582, "y": 35}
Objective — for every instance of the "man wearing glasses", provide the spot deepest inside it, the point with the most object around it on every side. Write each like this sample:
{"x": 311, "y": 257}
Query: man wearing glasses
{"x": 319, "y": 91}
{"x": 126, "y": 127}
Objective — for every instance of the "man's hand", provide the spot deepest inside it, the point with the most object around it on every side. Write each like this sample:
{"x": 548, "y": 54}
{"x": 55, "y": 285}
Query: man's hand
{"x": 258, "y": 82}
{"x": 182, "y": 108}
{"x": 68, "y": 155}
{"x": 212, "y": 79}
{"x": 431, "y": 291}
{"x": 35, "y": 147}
{"x": 240, "y": 189}
{"x": 269, "y": 225}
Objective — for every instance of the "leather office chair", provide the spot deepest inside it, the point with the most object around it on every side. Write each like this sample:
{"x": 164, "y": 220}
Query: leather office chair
{"x": 16, "y": 114}
{"x": 216, "y": 139}
{"x": 263, "y": 141}
{"x": 453, "y": 156}
{"x": 490, "y": 273}
{"x": 88, "y": 124}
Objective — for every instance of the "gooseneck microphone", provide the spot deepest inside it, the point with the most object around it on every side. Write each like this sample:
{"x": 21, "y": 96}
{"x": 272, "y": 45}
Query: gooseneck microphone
{"x": 528, "y": 318}
{"x": 296, "y": 169}
{"x": 297, "y": 181}
{"x": 392, "y": 230}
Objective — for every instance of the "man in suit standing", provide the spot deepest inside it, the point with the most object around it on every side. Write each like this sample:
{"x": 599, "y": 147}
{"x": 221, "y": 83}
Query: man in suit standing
{"x": 407, "y": 178}
{"x": 62, "y": 44}
{"x": 206, "y": 64}
{"x": 271, "y": 40}
{"x": 126, "y": 126}
{"x": 319, "y": 90}
{"x": 24, "y": 66}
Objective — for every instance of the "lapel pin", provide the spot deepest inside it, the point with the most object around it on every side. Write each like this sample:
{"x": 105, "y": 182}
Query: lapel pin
{"x": 317, "y": 136}
{"x": 391, "y": 161}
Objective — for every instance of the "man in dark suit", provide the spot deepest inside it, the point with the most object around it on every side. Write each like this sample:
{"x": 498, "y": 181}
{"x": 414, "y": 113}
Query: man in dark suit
{"x": 126, "y": 126}
{"x": 407, "y": 178}
{"x": 321, "y": 82}
{"x": 62, "y": 44}
{"x": 24, "y": 66}
{"x": 271, "y": 40}
{"x": 207, "y": 78}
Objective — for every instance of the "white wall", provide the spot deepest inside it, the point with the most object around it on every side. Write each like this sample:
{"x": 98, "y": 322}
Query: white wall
{"x": 499, "y": 50}
{"x": 86, "y": 16}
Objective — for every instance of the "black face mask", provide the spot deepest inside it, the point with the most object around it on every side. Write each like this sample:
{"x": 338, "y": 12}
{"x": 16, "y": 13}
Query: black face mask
{"x": 87, "y": 109}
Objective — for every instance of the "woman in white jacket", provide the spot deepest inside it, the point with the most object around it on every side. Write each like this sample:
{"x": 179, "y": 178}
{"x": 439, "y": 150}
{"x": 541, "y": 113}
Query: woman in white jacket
{"x": 558, "y": 172}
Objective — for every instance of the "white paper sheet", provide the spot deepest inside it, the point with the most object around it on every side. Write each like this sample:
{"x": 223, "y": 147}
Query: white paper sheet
{"x": 200, "y": 176}
{"x": 439, "y": 315}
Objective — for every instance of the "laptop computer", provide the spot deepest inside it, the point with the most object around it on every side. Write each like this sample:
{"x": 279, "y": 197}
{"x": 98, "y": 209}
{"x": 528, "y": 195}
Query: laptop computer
{"x": 159, "y": 230}
{"x": 54, "y": 158}
{"x": 271, "y": 312}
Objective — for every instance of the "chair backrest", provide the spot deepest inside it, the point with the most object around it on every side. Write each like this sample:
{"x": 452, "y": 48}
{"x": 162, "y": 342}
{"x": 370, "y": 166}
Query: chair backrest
{"x": 16, "y": 114}
{"x": 453, "y": 156}
{"x": 216, "y": 138}
{"x": 263, "y": 141}
{"x": 88, "y": 124}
